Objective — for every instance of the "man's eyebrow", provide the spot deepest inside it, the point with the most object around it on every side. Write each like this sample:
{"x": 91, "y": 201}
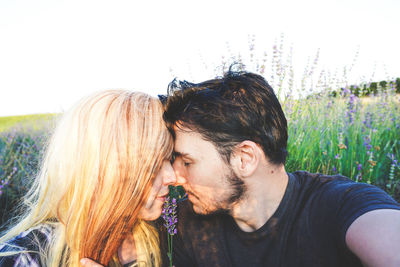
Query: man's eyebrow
{"x": 180, "y": 154}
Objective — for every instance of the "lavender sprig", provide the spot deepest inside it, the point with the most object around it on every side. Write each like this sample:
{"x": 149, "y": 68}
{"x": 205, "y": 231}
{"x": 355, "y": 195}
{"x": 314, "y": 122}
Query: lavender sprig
{"x": 5, "y": 181}
{"x": 170, "y": 218}
{"x": 169, "y": 215}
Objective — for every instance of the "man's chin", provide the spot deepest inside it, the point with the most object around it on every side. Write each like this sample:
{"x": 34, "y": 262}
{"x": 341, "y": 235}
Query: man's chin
{"x": 210, "y": 211}
{"x": 199, "y": 210}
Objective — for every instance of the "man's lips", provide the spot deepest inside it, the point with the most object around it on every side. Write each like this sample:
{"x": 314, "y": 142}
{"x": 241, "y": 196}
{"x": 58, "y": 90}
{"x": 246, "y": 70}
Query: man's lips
{"x": 191, "y": 195}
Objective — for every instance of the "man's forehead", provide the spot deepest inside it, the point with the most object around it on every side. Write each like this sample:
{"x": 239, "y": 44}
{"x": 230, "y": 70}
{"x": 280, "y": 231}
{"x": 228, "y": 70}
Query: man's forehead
{"x": 187, "y": 142}
{"x": 183, "y": 146}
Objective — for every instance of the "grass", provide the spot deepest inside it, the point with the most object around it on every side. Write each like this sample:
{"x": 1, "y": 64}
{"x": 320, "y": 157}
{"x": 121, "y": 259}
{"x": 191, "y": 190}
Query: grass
{"x": 35, "y": 121}
{"x": 358, "y": 138}
{"x": 22, "y": 142}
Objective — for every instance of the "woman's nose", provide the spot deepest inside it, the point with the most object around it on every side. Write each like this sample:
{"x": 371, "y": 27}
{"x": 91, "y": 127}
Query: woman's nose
{"x": 180, "y": 173}
{"x": 169, "y": 176}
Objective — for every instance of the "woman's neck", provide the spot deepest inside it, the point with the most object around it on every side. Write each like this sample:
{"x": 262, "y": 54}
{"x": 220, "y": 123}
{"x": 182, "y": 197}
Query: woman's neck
{"x": 127, "y": 250}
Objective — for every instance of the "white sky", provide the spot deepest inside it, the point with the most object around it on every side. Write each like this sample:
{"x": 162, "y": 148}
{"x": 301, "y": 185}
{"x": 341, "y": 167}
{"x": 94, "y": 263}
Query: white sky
{"x": 54, "y": 52}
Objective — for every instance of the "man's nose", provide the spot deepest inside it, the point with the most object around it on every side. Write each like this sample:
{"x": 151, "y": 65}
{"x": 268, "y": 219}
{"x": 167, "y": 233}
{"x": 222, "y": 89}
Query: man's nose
{"x": 180, "y": 173}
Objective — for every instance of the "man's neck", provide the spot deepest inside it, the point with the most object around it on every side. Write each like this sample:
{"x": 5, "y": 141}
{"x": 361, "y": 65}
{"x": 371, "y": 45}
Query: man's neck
{"x": 265, "y": 191}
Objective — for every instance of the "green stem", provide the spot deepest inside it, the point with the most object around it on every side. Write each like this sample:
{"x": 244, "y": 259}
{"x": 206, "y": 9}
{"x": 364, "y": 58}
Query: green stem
{"x": 170, "y": 261}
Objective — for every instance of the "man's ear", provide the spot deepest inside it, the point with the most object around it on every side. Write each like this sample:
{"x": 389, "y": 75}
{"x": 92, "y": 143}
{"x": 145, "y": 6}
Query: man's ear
{"x": 245, "y": 158}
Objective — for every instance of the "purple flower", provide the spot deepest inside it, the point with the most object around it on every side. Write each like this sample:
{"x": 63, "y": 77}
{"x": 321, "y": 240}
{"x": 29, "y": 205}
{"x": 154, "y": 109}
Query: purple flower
{"x": 367, "y": 143}
{"x": 393, "y": 158}
{"x": 336, "y": 157}
{"x": 368, "y": 120}
{"x": 359, "y": 166}
{"x": 170, "y": 217}
{"x": 351, "y": 108}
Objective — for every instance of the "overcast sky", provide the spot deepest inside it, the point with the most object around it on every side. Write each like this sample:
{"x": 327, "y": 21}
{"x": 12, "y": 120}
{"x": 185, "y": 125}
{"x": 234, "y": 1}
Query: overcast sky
{"x": 54, "y": 52}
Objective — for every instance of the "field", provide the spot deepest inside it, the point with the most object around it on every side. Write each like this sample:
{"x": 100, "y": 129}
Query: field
{"x": 348, "y": 135}
{"x": 22, "y": 141}
{"x": 35, "y": 121}
{"x": 355, "y": 137}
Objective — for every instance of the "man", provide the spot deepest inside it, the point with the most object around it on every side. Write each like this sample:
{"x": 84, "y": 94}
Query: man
{"x": 245, "y": 210}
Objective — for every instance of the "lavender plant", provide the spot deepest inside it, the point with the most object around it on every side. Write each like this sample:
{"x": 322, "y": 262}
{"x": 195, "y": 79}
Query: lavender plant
{"x": 169, "y": 214}
{"x": 20, "y": 153}
{"x": 170, "y": 218}
{"x": 347, "y": 135}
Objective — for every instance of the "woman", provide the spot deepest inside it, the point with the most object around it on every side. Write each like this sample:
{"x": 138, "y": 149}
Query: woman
{"x": 105, "y": 173}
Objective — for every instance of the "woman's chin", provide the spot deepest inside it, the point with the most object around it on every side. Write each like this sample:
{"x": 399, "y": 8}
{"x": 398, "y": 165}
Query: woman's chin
{"x": 154, "y": 213}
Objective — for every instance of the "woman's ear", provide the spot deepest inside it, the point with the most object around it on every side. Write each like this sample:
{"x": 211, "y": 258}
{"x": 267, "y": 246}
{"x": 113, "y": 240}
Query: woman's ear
{"x": 246, "y": 158}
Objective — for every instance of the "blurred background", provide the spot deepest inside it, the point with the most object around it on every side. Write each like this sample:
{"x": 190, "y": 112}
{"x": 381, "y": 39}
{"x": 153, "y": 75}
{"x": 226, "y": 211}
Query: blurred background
{"x": 53, "y": 52}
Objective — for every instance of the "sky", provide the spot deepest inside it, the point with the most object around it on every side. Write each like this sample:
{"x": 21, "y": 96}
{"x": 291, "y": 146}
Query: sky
{"x": 54, "y": 52}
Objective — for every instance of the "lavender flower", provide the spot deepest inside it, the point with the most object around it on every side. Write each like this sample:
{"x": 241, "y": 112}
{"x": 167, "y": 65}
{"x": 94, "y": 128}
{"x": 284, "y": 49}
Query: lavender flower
{"x": 392, "y": 166}
{"x": 170, "y": 217}
{"x": 351, "y": 108}
{"x": 368, "y": 120}
{"x": 329, "y": 105}
{"x": 359, "y": 167}
{"x": 359, "y": 175}
{"x": 367, "y": 143}
{"x": 5, "y": 181}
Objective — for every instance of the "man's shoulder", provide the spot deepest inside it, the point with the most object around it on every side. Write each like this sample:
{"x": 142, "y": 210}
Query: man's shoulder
{"x": 307, "y": 177}
{"x": 335, "y": 202}
{"x": 330, "y": 184}
{"x": 341, "y": 194}
{"x": 339, "y": 191}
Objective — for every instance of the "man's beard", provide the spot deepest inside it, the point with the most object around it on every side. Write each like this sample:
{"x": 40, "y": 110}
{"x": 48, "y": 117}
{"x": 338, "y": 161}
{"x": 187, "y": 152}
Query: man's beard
{"x": 237, "y": 190}
{"x": 237, "y": 186}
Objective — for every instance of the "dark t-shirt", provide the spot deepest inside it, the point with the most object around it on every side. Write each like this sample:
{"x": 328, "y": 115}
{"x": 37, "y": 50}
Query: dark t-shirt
{"x": 307, "y": 229}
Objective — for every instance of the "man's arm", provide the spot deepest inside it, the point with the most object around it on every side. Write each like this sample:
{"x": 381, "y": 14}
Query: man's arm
{"x": 374, "y": 238}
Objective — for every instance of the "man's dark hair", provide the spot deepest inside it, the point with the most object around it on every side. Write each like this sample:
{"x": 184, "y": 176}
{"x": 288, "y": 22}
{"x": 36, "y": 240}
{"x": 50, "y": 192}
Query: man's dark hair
{"x": 228, "y": 110}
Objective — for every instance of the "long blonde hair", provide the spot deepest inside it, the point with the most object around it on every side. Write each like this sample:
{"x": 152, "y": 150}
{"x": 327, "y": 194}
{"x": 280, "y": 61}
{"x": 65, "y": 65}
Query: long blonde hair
{"x": 96, "y": 175}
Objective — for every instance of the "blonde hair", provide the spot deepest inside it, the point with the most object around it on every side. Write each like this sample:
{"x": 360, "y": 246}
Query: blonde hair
{"x": 96, "y": 175}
